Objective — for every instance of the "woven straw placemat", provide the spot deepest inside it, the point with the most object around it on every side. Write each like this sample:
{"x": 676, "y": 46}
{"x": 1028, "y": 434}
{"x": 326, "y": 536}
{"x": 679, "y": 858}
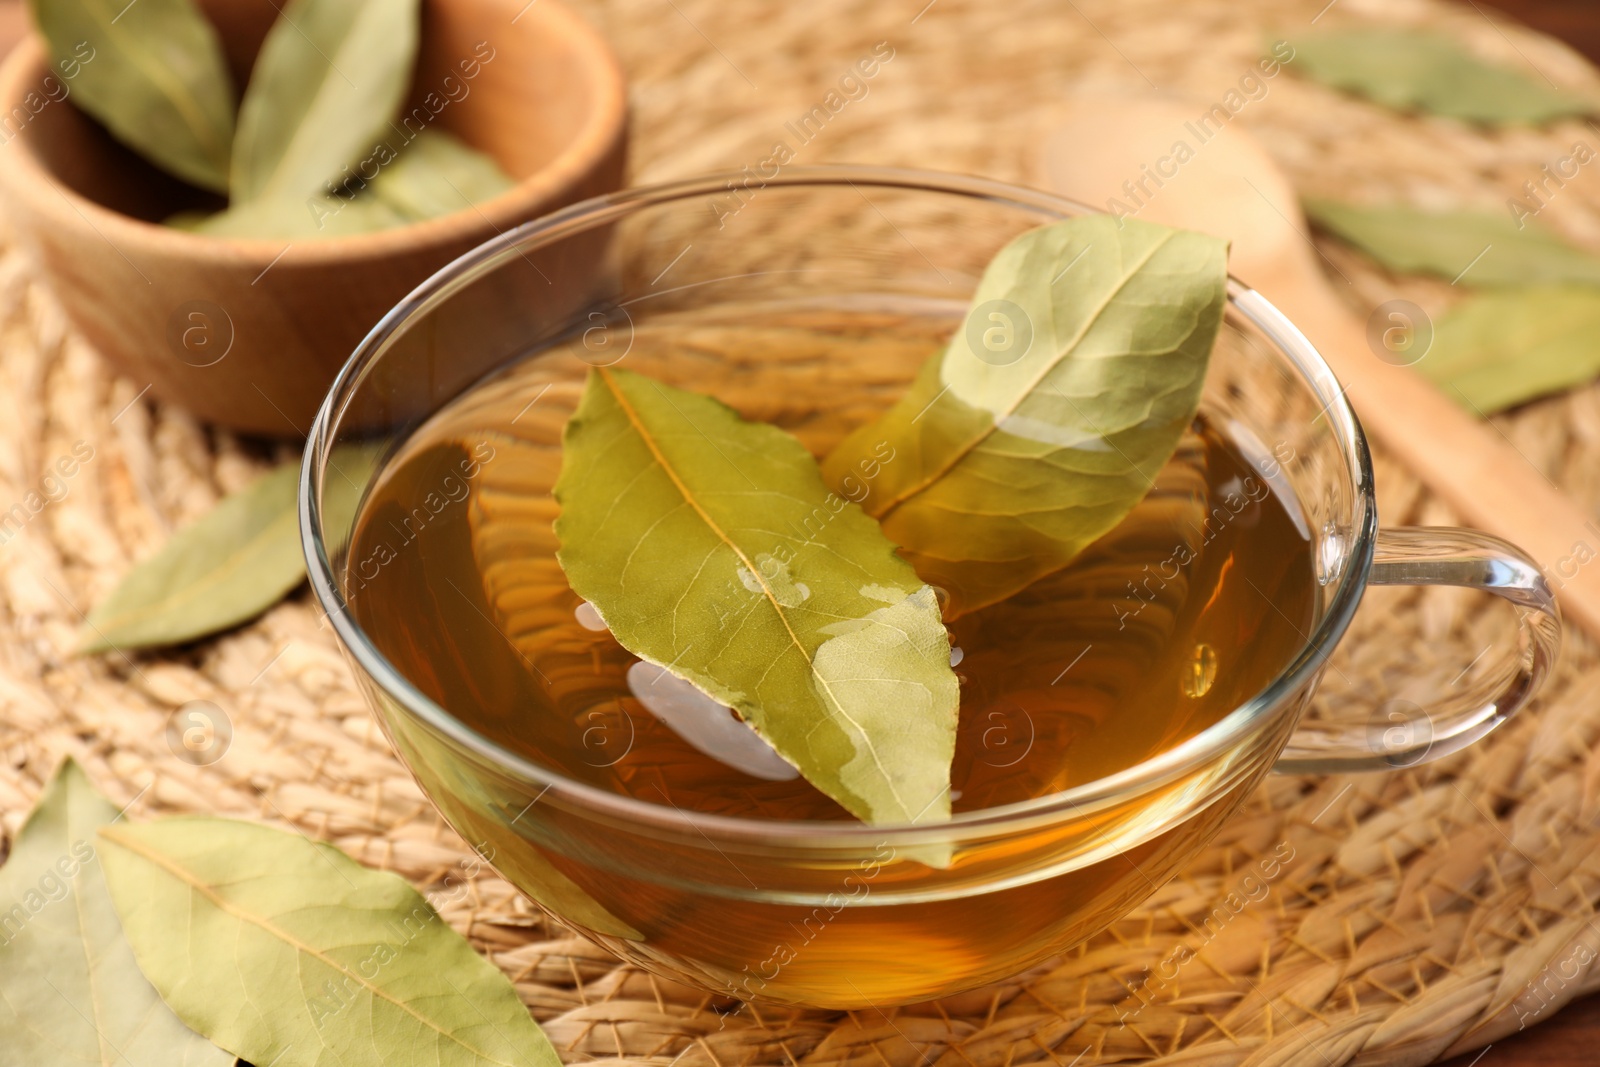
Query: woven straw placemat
{"x": 1423, "y": 912}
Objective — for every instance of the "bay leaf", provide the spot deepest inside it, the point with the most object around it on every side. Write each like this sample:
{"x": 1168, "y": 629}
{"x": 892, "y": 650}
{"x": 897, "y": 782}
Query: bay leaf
{"x": 1475, "y": 247}
{"x": 70, "y": 990}
{"x": 711, "y": 547}
{"x": 228, "y": 566}
{"x": 1419, "y": 70}
{"x": 434, "y": 175}
{"x": 437, "y": 174}
{"x": 1496, "y": 350}
{"x": 190, "y": 221}
{"x": 1048, "y": 415}
{"x": 296, "y": 219}
{"x": 286, "y": 951}
{"x": 331, "y": 76}
{"x": 153, "y": 73}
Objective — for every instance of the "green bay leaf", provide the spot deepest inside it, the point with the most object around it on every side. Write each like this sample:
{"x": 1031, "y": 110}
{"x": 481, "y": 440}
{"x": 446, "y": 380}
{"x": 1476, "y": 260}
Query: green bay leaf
{"x": 1418, "y": 70}
{"x": 711, "y": 547}
{"x": 153, "y": 73}
{"x": 1474, "y": 248}
{"x": 190, "y": 221}
{"x": 228, "y": 566}
{"x": 296, "y": 219}
{"x": 330, "y": 78}
{"x": 437, "y": 174}
{"x": 70, "y": 990}
{"x": 285, "y": 951}
{"x": 1050, "y": 412}
{"x": 1496, "y": 350}
{"x": 434, "y": 175}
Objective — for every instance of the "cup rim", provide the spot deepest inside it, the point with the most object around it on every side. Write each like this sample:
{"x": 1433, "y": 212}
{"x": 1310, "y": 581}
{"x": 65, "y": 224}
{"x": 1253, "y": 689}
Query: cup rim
{"x": 1149, "y": 774}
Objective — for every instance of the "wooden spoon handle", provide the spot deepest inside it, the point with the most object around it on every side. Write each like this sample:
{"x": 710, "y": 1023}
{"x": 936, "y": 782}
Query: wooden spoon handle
{"x": 1469, "y": 463}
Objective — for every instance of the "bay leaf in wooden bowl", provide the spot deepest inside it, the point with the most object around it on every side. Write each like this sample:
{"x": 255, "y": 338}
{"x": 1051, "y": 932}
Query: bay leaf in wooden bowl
{"x": 248, "y": 333}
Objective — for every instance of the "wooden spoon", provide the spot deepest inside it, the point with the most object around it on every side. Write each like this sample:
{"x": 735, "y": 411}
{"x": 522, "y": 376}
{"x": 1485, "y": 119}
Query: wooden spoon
{"x": 1228, "y": 186}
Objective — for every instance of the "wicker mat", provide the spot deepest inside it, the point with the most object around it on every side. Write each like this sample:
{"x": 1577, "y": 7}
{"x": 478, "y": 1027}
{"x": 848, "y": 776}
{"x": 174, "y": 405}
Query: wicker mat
{"x": 1424, "y": 912}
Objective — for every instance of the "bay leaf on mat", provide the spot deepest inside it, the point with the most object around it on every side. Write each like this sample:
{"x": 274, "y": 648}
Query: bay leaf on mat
{"x": 331, "y": 76}
{"x": 285, "y": 951}
{"x": 153, "y": 73}
{"x": 228, "y": 566}
{"x": 1048, "y": 415}
{"x": 437, "y": 174}
{"x": 711, "y": 547}
{"x": 1476, "y": 248}
{"x": 1419, "y": 70}
{"x": 70, "y": 990}
{"x": 1496, "y": 350}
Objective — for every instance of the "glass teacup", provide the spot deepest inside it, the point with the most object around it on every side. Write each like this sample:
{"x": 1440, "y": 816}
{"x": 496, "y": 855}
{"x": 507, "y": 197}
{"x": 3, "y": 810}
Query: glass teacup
{"x": 841, "y": 914}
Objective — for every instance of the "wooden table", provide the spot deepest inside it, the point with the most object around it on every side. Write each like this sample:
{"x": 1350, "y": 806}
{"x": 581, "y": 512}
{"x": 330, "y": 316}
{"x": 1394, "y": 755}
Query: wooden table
{"x": 1575, "y": 21}
{"x": 1571, "y": 1038}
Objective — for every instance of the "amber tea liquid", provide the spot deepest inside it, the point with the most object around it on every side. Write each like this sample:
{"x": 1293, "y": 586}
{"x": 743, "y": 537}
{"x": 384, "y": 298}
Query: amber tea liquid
{"x": 1179, "y": 615}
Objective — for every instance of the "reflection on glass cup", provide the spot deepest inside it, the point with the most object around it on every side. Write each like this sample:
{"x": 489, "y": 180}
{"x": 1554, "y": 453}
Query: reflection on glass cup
{"x": 839, "y": 914}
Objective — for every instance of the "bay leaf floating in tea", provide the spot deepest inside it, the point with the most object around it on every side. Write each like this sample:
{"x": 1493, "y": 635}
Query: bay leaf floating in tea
{"x": 330, "y": 78}
{"x": 297, "y": 956}
{"x": 1495, "y": 350}
{"x": 1419, "y": 70}
{"x": 1045, "y": 419}
{"x": 710, "y": 546}
{"x": 227, "y": 567}
{"x": 153, "y": 73}
{"x": 1471, "y": 248}
{"x": 70, "y": 990}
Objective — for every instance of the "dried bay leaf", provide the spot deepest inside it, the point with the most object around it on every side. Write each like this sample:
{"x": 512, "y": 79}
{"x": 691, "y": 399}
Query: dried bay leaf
{"x": 153, "y": 73}
{"x": 1416, "y": 70}
{"x": 227, "y": 567}
{"x": 70, "y": 990}
{"x": 1478, "y": 248}
{"x": 191, "y": 221}
{"x": 434, "y": 175}
{"x": 1496, "y": 350}
{"x": 286, "y": 951}
{"x": 437, "y": 174}
{"x": 330, "y": 77}
{"x": 286, "y": 219}
{"x": 711, "y": 547}
{"x": 1049, "y": 414}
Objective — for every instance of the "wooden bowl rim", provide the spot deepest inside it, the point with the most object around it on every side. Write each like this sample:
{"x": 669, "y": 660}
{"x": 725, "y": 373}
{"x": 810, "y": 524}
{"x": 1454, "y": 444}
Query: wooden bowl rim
{"x": 26, "y": 67}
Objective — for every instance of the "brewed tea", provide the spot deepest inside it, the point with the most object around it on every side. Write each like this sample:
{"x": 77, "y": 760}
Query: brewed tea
{"x": 1184, "y": 611}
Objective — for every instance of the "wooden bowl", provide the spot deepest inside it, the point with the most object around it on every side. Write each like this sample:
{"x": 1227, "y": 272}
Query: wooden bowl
{"x": 248, "y": 334}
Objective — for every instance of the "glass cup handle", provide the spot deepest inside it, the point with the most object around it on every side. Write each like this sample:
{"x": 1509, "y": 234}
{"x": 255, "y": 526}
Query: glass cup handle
{"x": 1403, "y": 734}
